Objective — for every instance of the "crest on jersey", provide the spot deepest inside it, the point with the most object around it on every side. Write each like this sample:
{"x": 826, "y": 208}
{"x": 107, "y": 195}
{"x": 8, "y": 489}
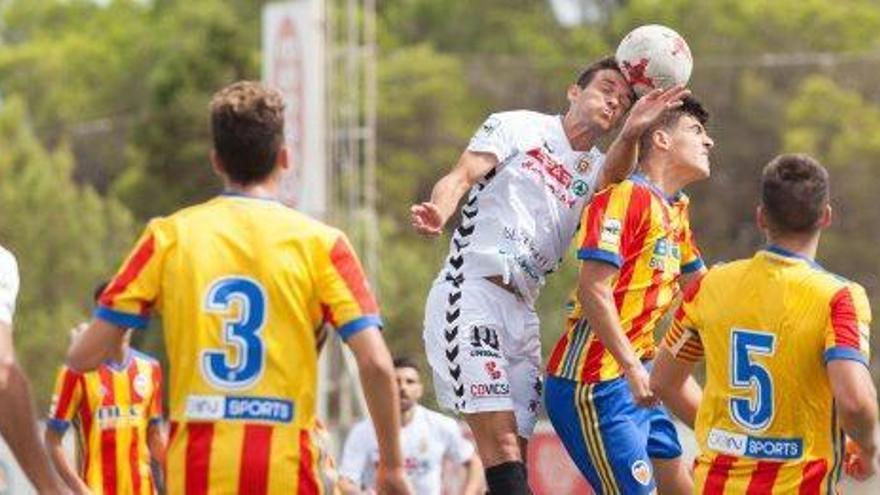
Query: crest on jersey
{"x": 584, "y": 165}
{"x": 641, "y": 471}
{"x": 142, "y": 385}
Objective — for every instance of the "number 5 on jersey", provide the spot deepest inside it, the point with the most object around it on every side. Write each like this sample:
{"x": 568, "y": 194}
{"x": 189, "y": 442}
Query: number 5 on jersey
{"x": 240, "y": 363}
{"x": 756, "y": 411}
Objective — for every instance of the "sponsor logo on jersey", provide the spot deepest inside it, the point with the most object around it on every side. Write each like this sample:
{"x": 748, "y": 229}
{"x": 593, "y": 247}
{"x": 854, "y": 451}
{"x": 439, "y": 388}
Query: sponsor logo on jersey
{"x": 609, "y": 237}
{"x": 492, "y": 370}
{"x": 142, "y": 385}
{"x": 742, "y": 445}
{"x": 557, "y": 179}
{"x": 490, "y": 125}
{"x": 641, "y": 471}
{"x": 218, "y": 407}
{"x": 118, "y": 416}
{"x": 483, "y": 390}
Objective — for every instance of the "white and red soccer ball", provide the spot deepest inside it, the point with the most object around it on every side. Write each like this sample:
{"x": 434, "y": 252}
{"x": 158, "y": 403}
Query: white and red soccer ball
{"x": 654, "y": 56}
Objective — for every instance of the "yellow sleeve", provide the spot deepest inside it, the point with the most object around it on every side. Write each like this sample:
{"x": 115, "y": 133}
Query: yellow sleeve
{"x": 65, "y": 399}
{"x": 347, "y": 302}
{"x": 847, "y": 332}
{"x": 130, "y": 296}
{"x": 683, "y": 338}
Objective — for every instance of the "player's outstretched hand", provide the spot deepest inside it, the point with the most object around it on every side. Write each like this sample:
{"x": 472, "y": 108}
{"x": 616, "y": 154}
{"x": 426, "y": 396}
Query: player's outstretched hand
{"x": 857, "y": 464}
{"x": 650, "y": 106}
{"x": 640, "y": 385}
{"x": 426, "y": 219}
{"x": 392, "y": 482}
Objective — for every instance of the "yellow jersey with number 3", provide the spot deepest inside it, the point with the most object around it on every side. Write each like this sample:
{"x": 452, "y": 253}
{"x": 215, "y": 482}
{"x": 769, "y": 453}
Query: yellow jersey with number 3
{"x": 767, "y": 326}
{"x": 245, "y": 287}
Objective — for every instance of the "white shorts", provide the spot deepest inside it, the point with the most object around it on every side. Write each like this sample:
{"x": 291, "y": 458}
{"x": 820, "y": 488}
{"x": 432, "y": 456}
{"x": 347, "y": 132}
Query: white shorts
{"x": 484, "y": 348}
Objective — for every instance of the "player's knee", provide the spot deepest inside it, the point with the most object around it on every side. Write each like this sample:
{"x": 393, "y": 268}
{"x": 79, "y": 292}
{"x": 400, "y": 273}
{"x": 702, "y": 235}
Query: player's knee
{"x": 498, "y": 447}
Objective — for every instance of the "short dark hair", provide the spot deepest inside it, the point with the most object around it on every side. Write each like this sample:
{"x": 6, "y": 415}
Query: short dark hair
{"x": 247, "y": 124}
{"x": 406, "y": 362}
{"x": 689, "y": 106}
{"x": 795, "y": 190}
{"x": 587, "y": 75}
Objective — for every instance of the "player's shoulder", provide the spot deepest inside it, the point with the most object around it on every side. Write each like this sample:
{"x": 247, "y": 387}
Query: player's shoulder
{"x": 142, "y": 356}
{"x": 517, "y": 120}
{"x": 438, "y": 420}
{"x": 362, "y": 430}
{"x": 7, "y": 260}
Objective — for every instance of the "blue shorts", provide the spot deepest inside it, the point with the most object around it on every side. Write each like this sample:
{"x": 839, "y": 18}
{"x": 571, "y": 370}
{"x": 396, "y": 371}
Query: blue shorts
{"x": 610, "y": 439}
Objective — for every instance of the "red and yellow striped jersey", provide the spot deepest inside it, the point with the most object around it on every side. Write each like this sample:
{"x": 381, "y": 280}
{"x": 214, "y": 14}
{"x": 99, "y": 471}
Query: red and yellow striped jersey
{"x": 634, "y": 227}
{"x": 767, "y": 326}
{"x": 245, "y": 287}
{"x": 111, "y": 408}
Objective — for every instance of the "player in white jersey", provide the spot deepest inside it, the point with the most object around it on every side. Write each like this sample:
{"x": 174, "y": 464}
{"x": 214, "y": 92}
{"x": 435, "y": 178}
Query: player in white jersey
{"x": 17, "y": 418}
{"x": 529, "y": 176}
{"x": 427, "y": 439}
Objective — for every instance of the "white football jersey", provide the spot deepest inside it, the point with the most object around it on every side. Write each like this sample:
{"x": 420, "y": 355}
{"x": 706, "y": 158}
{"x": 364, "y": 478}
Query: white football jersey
{"x": 8, "y": 285}
{"x": 428, "y": 439}
{"x": 520, "y": 219}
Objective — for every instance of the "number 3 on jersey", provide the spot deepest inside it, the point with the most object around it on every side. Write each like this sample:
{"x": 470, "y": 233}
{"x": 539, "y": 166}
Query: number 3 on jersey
{"x": 756, "y": 411}
{"x": 240, "y": 363}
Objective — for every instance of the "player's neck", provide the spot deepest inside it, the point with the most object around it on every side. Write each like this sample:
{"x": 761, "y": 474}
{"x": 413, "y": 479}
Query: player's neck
{"x": 802, "y": 245}
{"x": 406, "y": 417}
{"x": 665, "y": 179}
{"x": 581, "y": 136}
{"x": 120, "y": 354}
{"x": 263, "y": 190}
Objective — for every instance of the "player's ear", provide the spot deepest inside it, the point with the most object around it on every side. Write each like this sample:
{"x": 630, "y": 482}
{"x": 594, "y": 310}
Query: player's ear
{"x": 661, "y": 139}
{"x": 282, "y": 158}
{"x": 216, "y": 164}
{"x": 760, "y": 219}
{"x": 573, "y": 92}
{"x": 826, "y": 218}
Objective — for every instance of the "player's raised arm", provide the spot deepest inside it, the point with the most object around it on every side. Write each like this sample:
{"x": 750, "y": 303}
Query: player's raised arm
{"x": 380, "y": 390}
{"x": 428, "y": 218}
{"x": 623, "y": 153}
{"x": 94, "y": 345}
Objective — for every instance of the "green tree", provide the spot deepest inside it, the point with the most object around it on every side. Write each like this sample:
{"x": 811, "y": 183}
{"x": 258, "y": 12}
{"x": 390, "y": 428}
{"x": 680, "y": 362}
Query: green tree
{"x": 66, "y": 239}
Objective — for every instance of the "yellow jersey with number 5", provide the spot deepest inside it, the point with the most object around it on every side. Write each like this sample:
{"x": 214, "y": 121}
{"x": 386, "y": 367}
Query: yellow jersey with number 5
{"x": 767, "y": 326}
{"x": 245, "y": 288}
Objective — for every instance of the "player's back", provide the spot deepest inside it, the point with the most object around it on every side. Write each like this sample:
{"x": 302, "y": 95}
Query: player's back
{"x": 244, "y": 286}
{"x": 767, "y": 326}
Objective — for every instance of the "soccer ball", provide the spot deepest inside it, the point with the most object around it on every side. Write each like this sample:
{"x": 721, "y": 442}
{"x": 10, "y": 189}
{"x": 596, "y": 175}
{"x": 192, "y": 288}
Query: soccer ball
{"x": 654, "y": 56}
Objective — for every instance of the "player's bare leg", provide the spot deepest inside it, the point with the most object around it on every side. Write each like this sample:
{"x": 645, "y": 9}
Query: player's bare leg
{"x": 501, "y": 450}
{"x": 672, "y": 477}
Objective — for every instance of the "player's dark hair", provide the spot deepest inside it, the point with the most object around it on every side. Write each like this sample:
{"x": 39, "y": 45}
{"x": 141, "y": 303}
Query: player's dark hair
{"x": 247, "y": 125}
{"x": 794, "y": 192}
{"x": 587, "y": 75}
{"x": 99, "y": 289}
{"x": 405, "y": 362}
{"x": 690, "y": 106}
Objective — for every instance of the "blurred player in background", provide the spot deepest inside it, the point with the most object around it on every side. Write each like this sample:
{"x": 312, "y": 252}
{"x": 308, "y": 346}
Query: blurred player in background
{"x": 117, "y": 412}
{"x": 18, "y": 422}
{"x": 245, "y": 286}
{"x": 428, "y": 438}
{"x": 636, "y": 244}
{"x": 786, "y": 349}
{"x": 529, "y": 176}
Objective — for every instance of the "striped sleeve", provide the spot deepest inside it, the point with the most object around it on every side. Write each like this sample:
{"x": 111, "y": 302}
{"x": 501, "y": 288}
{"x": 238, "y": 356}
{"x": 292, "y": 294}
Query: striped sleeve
{"x": 155, "y": 413}
{"x": 129, "y": 297}
{"x": 65, "y": 399}
{"x": 346, "y": 299}
{"x": 683, "y": 338}
{"x": 608, "y": 222}
{"x": 848, "y": 330}
{"x": 691, "y": 259}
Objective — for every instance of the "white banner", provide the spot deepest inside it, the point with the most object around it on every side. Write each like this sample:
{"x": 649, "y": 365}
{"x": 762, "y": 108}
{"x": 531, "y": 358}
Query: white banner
{"x": 293, "y": 62}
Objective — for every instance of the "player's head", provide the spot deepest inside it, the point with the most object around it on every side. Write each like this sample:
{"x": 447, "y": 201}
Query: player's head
{"x": 678, "y": 139}
{"x": 409, "y": 382}
{"x": 600, "y": 96}
{"x": 795, "y": 197}
{"x": 247, "y": 127}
